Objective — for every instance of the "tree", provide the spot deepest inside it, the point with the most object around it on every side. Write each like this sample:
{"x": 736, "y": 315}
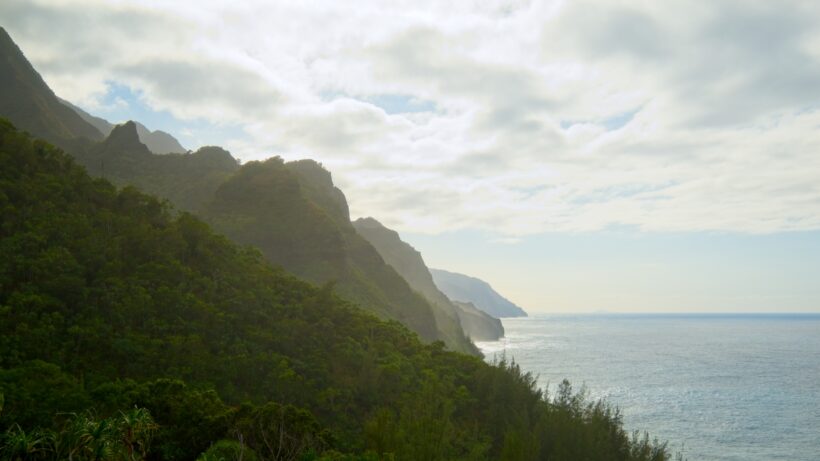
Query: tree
{"x": 136, "y": 428}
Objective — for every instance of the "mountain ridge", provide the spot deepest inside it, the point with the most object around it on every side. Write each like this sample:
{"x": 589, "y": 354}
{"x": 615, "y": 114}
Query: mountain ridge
{"x": 27, "y": 99}
{"x": 464, "y": 288}
{"x": 294, "y": 213}
{"x": 409, "y": 263}
{"x": 304, "y": 227}
{"x": 157, "y": 141}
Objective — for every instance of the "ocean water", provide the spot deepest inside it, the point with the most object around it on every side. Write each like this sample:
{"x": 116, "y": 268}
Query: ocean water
{"x": 717, "y": 387}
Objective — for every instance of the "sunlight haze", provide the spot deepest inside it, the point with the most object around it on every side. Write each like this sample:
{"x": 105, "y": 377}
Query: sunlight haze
{"x": 580, "y": 156}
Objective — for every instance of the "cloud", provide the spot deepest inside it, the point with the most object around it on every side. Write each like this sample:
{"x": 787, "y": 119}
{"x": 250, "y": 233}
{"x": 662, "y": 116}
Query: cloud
{"x": 513, "y": 117}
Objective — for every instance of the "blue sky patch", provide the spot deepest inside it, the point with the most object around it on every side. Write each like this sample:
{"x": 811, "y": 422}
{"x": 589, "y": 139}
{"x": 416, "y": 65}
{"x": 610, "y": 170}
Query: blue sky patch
{"x": 611, "y": 124}
{"x": 122, "y": 103}
{"x": 401, "y": 103}
{"x": 390, "y": 103}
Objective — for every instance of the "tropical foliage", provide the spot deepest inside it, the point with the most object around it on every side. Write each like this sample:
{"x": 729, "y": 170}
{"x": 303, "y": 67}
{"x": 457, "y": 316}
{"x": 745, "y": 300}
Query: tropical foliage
{"x": 113, "y": 309}
{"x": 125, "y": 437}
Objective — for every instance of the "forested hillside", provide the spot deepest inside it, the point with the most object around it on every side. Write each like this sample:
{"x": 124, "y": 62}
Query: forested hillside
{"x": 109, "y": 302}
{"x": 410, "y": 265}
{"x": 187, "y": 180}
{"x": 300, "y": 220}
{"x": 292, "y": 228}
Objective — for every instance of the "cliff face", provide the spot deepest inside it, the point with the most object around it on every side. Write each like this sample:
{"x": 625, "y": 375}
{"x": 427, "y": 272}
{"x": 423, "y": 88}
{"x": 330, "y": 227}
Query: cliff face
{"x": 460, "y": 287}
{"x": 300, "y": 220}
{"x": 291, "y": 211}
{"x": 124, "y": 139}
{"x": 452, "y": 318}
{"x": 479, "y": 325}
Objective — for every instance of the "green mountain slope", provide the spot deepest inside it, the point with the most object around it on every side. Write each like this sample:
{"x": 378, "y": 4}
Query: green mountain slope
{"x": 108, "y": 301}
{"x": 306, "y": 229}
{"x": 26, "y": 99}
{"x": 453, "y": 319}
{"x": 300, "y": 220}
{"x": 102, "y": 125}
{"x": 460, "y": 287}
{"x": 187, "y": 180}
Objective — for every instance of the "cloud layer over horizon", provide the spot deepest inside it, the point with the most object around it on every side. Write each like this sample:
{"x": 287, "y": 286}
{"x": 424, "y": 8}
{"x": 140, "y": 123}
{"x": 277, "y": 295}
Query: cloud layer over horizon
{"x": 511, "y": 117}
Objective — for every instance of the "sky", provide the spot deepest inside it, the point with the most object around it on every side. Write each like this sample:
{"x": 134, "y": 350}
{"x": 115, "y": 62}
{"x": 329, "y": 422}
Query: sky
{"x": 581, "y": 156}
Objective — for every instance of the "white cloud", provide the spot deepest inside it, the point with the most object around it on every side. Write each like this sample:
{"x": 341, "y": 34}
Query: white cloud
{"x": 548, "y": 116}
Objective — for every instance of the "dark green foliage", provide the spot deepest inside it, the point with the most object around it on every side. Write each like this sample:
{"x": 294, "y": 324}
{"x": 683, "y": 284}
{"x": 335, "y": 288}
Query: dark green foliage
{"x": 295, "y": 215}
{"x": 228, "y": 450}
{"x": 187, "y": 180}
{"x": 291, "y": 211}
{"x": 190, "y": 419}
{"x": 35, "y": 391}
{"x": 108, "y": 302}
{"x": 82, "y": 437}
{"x": 281, "y": 432}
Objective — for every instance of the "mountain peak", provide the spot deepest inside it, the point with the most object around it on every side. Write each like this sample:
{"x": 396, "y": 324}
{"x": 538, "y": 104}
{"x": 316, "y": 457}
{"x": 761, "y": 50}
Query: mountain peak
{"x": 124, "y": 137}
{"x": 318, "y": 183}
{"x": 312, "y": 171}
{"x": 216, "y": 156}
{"x": 370, "y": 224}
{"x": 4, "y": 36}
{"x": 369, "y": 221}
{"x": 159, "y": 142}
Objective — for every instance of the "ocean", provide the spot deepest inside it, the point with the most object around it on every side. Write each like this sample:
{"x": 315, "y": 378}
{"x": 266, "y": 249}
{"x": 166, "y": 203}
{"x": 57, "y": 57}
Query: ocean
{"x": 716, "y": 387}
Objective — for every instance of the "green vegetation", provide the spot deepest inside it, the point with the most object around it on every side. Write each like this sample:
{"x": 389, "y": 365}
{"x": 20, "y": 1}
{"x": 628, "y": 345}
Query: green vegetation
{"x": 113, "y": 307}
{"x": 125, "y": 437}
{"x": 295, "y": 215}
{"x": 306, "y": 229}
{"x": 453, "y": 319}
{"x": 187, "y": 180}
{"x": 291, "y": 211}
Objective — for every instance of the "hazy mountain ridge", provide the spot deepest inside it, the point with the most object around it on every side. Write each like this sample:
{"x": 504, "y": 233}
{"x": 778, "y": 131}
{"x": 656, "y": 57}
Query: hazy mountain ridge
{"x": 480, "y": 325}
{"x": 187, "y": 180}
{"x": 157, "y": 141}
{"x": 460, "y": 287}
{"x": 293, "y": 212}
{"x": 29, "y": 102}
{"x": 453, "y": 318}
{"x": 102, "y": 125}
{"x": 300, "y": 220}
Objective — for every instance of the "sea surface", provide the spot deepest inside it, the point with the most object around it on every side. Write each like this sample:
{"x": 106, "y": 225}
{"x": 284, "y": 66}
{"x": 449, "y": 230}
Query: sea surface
{"x": 717, "y": 387}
